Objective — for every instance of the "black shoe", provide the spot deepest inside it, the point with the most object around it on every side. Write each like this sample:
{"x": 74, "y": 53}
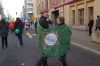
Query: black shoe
{"x": 63, "y": 62}
{"x": 89, "y": 34}
{"x": 22, "y": 45}
{"x": 40, "y": 63}
{"x": 6, "y": 46}
{"x": 46, "y": 65}
{"x": 2, "y": 48}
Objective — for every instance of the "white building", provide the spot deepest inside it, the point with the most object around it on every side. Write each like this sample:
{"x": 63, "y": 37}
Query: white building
{"x": 1, "y": 9}
{"x": 29, "y": 9}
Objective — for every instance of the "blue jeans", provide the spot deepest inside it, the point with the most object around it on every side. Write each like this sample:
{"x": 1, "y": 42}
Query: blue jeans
{"x": 20, "y": 40}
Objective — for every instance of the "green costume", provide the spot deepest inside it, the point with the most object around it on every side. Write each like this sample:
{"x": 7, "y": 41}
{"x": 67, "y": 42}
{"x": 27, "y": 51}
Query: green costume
{"x": 54, "y": 42}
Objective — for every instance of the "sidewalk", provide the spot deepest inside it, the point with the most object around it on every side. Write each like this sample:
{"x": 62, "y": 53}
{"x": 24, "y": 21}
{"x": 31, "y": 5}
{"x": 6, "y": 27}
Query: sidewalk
{"x": 83, "y": 40}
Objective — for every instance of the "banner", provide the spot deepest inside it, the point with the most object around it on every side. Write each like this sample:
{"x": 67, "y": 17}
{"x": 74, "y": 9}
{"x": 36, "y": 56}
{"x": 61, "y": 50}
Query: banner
{"x": 54, "y": 41}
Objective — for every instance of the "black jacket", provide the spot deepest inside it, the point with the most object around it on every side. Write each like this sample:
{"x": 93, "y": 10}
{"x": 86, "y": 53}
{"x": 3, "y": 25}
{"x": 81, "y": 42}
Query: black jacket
{"x": 19, "y": 25}
{"x": 91, "y": 22}
{"x": 4, "y": 29}
{"x": 44, "y": 23}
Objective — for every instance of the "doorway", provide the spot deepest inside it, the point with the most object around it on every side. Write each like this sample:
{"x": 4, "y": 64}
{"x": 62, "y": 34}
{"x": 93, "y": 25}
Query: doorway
{"x": 81, "y": 17}
{"x": 54, "y": 15}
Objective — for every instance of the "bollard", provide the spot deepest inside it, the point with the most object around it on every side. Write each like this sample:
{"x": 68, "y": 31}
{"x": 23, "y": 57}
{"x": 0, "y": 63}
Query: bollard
{"x": 96, "y": 36}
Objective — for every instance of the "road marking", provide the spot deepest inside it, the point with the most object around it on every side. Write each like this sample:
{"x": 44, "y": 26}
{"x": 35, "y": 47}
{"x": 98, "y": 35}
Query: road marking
{"x": 30, "y": 36}
{"x": 87, "y": 48}
{"x": 34, "y": 34}
{"x": 22, "y": 64}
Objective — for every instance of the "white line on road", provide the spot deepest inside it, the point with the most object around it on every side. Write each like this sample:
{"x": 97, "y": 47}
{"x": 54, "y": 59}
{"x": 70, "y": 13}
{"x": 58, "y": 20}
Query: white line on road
{"x": 30, "y": 36}
{"x": 34, "y": 34}
{"x": 87, "y": 48}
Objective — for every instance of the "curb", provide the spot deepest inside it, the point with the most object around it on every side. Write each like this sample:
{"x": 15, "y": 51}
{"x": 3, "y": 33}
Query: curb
{"x": 87, "y": 48}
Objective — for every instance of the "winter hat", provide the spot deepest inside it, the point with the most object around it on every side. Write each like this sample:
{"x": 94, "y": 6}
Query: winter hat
{"x": 44, "y": 11}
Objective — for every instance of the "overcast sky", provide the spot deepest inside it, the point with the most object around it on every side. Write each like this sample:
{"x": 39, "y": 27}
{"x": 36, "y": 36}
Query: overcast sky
{"x": 13, "y": 6}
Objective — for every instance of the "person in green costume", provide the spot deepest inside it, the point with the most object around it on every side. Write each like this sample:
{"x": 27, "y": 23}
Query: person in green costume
{"x": 44, "y": 23}
{"x": 60, "y": 26}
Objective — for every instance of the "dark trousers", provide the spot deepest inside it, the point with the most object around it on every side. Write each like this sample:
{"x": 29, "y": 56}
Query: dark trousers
{"x": 43, "y": 61}
{"x": 90, "y": 31}
{"x": 26, "y": 29}
{"x": 36, "y": 30}
{"x": 12, "y": 30}
{"x": 97, "y": 28}
{"x": 4, "y": 42}
{"x": 20, "y": 40}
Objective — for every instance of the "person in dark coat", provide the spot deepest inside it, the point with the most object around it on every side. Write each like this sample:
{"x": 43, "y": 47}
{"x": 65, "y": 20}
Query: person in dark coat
{"x": 90, "y": 25}
{"x": 4, "y": 29}
{"x": 45, "y": 23}
{"x": 35, "y": 24}
{"x": 44, "y": 20}
{"x": 19, "y": 25}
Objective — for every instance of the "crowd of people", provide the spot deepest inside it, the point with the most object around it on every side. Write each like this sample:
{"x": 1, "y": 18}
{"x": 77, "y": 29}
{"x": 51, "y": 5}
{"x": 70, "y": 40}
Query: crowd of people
{"x": 15, "y": 27}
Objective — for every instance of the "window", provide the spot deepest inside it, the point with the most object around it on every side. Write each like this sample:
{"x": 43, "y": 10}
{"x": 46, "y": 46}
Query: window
{"x": 30, "y": 15}
{"x": 81, "y": 16}
{"x": 58, "y": 2}
{"x": 73, "y": 17}
{"x": 90, "y": 11}
{"x": 30, "y": 0}
{"x": 29, "y": 5}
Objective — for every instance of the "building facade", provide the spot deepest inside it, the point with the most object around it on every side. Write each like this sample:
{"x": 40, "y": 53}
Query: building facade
{"x": 41, "y": 4}
{"x": 1, "y": 9}
{"x": 28, "y": 8}
{"x": 77, "y": 13}
{"x": 81, "y": 12}
{"x": 24, "y": 12}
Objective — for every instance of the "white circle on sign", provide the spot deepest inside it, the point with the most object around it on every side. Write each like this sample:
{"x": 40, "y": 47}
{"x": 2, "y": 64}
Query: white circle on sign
{"x": 50, "y": 39}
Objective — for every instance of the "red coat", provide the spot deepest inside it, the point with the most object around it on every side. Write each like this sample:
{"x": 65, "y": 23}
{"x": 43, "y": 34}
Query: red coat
{"x": 11, "y": 25}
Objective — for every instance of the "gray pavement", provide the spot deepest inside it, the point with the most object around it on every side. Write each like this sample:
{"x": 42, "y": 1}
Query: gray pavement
{"x": 30, "y": 54}
{"x": 81, "y": 39}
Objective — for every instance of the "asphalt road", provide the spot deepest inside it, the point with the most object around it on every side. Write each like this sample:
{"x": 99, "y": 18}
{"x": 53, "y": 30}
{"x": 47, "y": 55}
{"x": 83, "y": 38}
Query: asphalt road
{"x": 30, "y": 54}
